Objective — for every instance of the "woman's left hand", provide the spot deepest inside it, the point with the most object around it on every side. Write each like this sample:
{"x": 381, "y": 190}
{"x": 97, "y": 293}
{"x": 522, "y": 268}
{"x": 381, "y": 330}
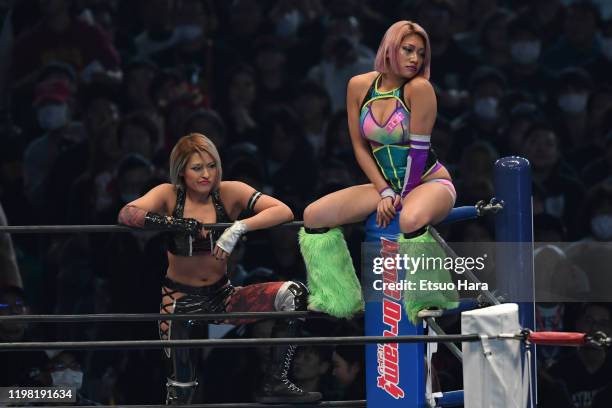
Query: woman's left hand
{"x": 386, "y": 210}
{"x": 227, "y": 241}
{"x": 219, "y": 254}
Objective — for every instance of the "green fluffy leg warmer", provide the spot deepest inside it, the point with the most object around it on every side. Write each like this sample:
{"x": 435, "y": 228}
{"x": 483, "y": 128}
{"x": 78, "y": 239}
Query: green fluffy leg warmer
{"x": 430, "y": 278}
{"x": 333, "y": 284}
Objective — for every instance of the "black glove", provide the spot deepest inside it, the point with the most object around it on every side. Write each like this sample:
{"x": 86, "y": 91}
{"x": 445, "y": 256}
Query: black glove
{"x": 165, "y": 222}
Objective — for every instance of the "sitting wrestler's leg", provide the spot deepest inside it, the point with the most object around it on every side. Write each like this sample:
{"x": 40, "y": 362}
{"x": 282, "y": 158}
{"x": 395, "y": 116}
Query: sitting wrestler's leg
{"x": 276, "y": 387}
{"x": 333, "y": 283}
{"x": 426, "y": 204}
{"x": 181, "y": 363}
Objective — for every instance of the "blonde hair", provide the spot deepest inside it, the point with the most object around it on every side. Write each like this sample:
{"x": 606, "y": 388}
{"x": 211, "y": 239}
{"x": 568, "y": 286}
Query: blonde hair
{"x": 182, "y": 151}
{"x": 386, "y": 57}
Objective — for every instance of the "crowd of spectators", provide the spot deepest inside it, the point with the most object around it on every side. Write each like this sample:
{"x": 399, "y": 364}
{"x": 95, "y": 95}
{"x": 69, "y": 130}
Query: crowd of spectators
{"x": 93, "y": 93}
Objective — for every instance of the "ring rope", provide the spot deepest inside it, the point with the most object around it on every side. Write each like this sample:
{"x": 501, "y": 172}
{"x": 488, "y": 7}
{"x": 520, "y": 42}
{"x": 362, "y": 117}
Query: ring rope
{"x": 324, "y": 404}
{"x": 231, "y": 343}
{"x": 63, "y": 229}
{"x": 468, "y": 273}
{"x": 452, "y": 347}
{"x": 478, "y": 210}
{"x": 146, "y": 317}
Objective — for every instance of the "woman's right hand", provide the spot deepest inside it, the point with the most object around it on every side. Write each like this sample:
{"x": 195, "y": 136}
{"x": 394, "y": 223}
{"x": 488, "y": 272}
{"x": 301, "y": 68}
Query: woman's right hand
{"x": 386, "y": 210}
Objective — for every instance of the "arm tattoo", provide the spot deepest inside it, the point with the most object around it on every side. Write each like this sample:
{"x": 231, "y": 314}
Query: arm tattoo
{"x": 132, "y": 216}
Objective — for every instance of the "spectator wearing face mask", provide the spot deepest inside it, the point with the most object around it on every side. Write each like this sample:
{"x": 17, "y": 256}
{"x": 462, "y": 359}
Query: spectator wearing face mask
{"x": 83, "y": 171}
{"x": 484, "y": 120}
{"x": 65, "y": 371}
{"x": 525, "y": 72}
{"x": 21, "y": 97}
{"x": 570, "y": 102}
{"x": 53, "y": 104}
{"x": 593, "y": 253}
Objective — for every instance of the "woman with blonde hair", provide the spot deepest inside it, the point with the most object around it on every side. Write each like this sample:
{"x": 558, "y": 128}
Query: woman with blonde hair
{"x": 391, "y": 113}
{"x": 196, "y": 280}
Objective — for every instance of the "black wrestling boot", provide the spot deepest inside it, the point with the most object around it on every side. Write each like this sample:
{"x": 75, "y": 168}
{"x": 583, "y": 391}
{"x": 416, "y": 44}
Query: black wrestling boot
{"x": 180, "y": 393}
{"x": 276, "y": 387}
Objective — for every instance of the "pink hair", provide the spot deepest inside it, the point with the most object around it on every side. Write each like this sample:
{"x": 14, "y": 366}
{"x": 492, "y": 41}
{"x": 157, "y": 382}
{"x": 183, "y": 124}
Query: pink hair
{"x": 386, "y": 57}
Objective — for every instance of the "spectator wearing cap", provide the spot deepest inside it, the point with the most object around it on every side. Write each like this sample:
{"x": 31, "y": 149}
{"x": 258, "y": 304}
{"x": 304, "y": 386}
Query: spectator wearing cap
{"x": 61, "y": 36}
{"x": 484, "y": 119}
{"x": 578, "y": 46}
{"x": 21, "y": 99}
{"x": 53, "y": 104}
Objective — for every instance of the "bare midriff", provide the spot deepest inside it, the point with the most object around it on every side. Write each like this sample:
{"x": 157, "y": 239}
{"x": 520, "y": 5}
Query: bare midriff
{"x": 197, "y": 270}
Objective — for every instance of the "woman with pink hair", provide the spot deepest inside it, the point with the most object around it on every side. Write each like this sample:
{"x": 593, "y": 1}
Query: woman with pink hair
{"x": 391, "y": 113}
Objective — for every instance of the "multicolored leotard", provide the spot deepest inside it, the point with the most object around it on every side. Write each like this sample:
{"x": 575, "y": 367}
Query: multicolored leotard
{"x": 389, "y": 141}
